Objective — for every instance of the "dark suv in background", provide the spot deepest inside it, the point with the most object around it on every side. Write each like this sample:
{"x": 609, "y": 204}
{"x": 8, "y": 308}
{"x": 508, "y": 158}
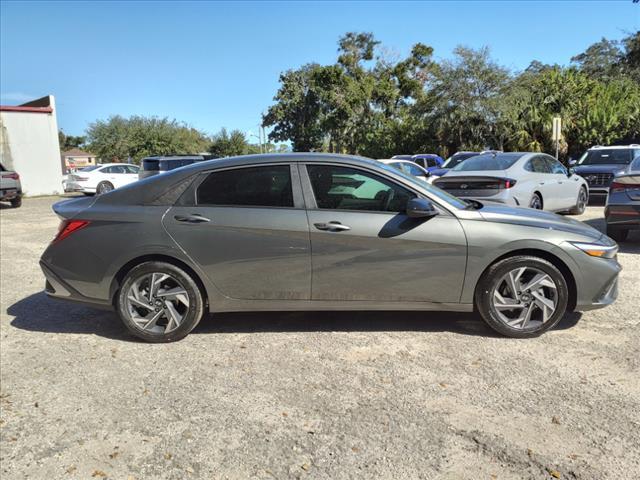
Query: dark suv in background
{"x": 599, "y": 165}
{"x": 164, "y": 163}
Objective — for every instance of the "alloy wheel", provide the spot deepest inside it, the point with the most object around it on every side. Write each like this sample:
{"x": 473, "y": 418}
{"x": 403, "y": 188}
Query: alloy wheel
{"x": 157, "y": 303}
{"x": 536, "y": 203}
{"x": 525, "y": 297}
{"x": 104, "y": 188}
{"x": 582, "y": 200}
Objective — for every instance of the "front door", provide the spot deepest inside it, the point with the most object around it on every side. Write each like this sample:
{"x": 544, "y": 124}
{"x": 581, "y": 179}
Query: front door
{"x": 247, "y": 229}
{"x": 365, "y": 247}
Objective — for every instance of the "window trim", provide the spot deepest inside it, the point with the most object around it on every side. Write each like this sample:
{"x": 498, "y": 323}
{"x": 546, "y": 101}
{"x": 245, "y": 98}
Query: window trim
{"x": 190, "y": 197}
{"x": 310, "y": 198}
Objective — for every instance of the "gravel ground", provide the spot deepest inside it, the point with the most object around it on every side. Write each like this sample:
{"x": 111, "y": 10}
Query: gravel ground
{"x": 321, "y": 395}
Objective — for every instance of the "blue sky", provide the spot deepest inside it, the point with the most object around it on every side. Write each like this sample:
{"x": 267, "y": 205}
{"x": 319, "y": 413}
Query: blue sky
{"x": 215, "y": 64}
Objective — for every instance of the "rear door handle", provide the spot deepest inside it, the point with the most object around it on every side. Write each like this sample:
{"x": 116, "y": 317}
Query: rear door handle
{"x": 195, "y": 218}
{"x": 332, "y": 227}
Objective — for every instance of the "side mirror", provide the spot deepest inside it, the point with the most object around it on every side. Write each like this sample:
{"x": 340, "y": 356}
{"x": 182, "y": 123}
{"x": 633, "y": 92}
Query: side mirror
{"x": 420, "y": 208}
{"x": 571, "y": 171}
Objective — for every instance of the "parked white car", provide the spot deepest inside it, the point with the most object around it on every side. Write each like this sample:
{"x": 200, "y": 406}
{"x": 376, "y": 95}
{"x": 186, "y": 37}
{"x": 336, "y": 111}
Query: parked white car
{"x": 534, "y": 180}
{"x": 101, "y": 178}
{"x": 407, "y": 166}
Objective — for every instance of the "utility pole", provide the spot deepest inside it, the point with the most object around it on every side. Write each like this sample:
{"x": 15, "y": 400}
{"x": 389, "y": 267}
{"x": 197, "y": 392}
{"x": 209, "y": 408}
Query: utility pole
{"x": 556, "y": 133}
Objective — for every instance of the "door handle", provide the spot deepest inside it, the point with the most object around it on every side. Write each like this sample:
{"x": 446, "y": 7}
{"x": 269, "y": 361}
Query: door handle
{"x": 195, "y": 218}
{"x": 332, "y": 227}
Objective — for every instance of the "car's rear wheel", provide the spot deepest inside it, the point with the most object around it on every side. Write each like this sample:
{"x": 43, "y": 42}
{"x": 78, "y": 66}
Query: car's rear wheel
{"x": 16, "y": 202}
{"x": 522, "y": 296}
{"x": 581, "y": 202}
{"x": 104, "y": 187}
{"x": 617, "y": 233}
{"x": 536, "y": 202}
{"x": 159, "y": 302}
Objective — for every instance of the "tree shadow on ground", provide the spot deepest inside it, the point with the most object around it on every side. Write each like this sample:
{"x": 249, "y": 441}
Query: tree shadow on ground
{"x": 38, "y": 313}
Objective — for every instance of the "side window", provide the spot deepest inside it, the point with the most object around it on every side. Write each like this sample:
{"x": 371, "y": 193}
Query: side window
{"x": 106, "y": 170}
{"x": 431, "y": 162}
{"x": 117, "y": 169}
{"x": 556, "y": 167}
{"x": 539, "y": 165}
{"x": 265, "y": 186}
{"x": 344, "y": 188}
{"x": 421, "y": 162}
{"x": 131, "y": 169}
{"x": 415, "y": 171}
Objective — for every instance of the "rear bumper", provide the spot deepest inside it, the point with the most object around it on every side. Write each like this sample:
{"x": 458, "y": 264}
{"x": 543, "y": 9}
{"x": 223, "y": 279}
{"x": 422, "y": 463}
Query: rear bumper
{"x": 78, "y": 187}
{"x": 57, "y": 288}
{"x": 627, "y": 216}
{"x": 9, "y": 193}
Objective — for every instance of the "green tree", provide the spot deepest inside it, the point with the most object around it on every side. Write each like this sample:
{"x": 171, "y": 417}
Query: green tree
{"x": 602, "y": 60}
{"x": 229, "y": 144}
{"x": 118, "y": 138}
{"x": 67, "y": 142}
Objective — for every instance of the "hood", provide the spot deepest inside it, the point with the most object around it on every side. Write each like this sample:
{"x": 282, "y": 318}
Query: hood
{"x": 537, "y": 218}
{"x": 606, "y": 168}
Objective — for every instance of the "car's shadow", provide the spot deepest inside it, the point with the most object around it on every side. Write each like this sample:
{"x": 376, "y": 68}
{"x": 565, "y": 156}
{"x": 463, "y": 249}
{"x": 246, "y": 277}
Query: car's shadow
{"x": 38, "y": 313}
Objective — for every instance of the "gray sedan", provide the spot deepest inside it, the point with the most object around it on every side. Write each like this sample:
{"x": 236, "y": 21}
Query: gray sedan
{"x": 622, "y": 212}
{"x": 319, "y": 232}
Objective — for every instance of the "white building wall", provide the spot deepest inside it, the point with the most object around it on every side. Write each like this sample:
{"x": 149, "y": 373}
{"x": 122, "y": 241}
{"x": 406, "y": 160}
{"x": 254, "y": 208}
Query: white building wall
{"x": 29, "y": 145}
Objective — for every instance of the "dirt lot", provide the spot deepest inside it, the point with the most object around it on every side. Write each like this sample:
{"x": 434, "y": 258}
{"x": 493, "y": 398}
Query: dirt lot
{"x": 322, "y": 395}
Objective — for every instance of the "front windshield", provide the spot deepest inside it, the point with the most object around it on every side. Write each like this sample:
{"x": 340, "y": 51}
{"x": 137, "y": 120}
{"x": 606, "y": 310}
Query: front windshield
{"x": 607, "y": 156}
{"x": 457, "y": 158}
{"x": 435, "y": 191}
{"x": 500, "y": 161}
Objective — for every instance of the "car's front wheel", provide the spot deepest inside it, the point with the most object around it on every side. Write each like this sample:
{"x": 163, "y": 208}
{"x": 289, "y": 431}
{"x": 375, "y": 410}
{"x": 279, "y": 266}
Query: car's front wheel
{"x": 522, "y": 296}
{"x": 159, "y": 302}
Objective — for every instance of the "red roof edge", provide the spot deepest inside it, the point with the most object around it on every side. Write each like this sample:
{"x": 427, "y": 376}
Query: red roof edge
{"x": 7, "y": 108}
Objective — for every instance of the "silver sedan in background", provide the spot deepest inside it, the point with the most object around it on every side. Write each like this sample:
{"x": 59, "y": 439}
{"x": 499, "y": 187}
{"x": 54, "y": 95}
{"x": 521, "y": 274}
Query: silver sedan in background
{"x": 519, "y": 179}
{"x": 309, "y": 231}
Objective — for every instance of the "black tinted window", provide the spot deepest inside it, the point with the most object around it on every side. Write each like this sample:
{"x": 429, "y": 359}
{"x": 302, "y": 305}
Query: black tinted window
{"x": 268, "y": 186}
{"x": 604, "y": 156}
{"x": 556, "y": 167}
{"x": 151, "y": 165}
{"x": 343, "y": 188}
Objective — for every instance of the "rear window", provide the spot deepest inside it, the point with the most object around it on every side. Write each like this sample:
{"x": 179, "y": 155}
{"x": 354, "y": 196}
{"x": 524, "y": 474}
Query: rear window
{"x": 151, "y": 165}
{"x": 607, "y": 156}
{"x": 457, "y": 159}
{"x": 268, "y": 186}
{"x": 89, "y": 169}
{"x": 501, "y": 161}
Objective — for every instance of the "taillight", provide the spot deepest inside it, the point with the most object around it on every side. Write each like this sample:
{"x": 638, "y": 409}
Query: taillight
{"x": 625, "y": 183}
{"x": 67, "y": 227}
{"x": 12, "y": 176}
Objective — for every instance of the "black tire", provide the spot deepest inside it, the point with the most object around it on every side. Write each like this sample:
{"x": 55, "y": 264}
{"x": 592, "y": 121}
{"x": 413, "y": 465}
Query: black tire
{"x": 617, "y": 233}
{"x": 489, "y": 282}
{"x": 16, "y": 202}
{"x": 104, "y": 187}
{"x": 192, "y": 316}
{"x": 581, "y": 202}
{"x": 536, "y": 202}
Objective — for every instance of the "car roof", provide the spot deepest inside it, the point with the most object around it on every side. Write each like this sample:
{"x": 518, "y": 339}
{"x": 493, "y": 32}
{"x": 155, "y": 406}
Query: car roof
{"x": 112, "y": 164}
{"x": 173, "y": 157}
{"x": 615, "y": 147}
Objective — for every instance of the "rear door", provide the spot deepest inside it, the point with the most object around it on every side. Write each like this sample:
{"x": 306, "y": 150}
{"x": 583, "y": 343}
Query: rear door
{"x": 365, "y": 247}
{"x": 247, "y": 229}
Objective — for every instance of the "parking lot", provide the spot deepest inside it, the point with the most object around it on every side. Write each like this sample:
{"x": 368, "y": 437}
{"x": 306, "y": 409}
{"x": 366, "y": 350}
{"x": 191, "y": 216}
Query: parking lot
{"x": 310, "y": 395}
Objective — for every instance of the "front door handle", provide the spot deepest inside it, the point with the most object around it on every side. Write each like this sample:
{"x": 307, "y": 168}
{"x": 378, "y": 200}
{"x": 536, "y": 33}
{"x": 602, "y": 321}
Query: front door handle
{"x": 195, "y": 218}
{"x": 332, "y": 227}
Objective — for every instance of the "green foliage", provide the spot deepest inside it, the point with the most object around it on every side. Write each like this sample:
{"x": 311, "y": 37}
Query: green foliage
{"x": 229, "y": 144}
{"x": 369, "y": 104}
{"x": 119, "y": 138}
{"x": 67, "y": 142}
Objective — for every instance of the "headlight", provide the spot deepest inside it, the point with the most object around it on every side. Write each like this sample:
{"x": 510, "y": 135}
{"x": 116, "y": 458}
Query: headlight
{"x": 597, "y": 250}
